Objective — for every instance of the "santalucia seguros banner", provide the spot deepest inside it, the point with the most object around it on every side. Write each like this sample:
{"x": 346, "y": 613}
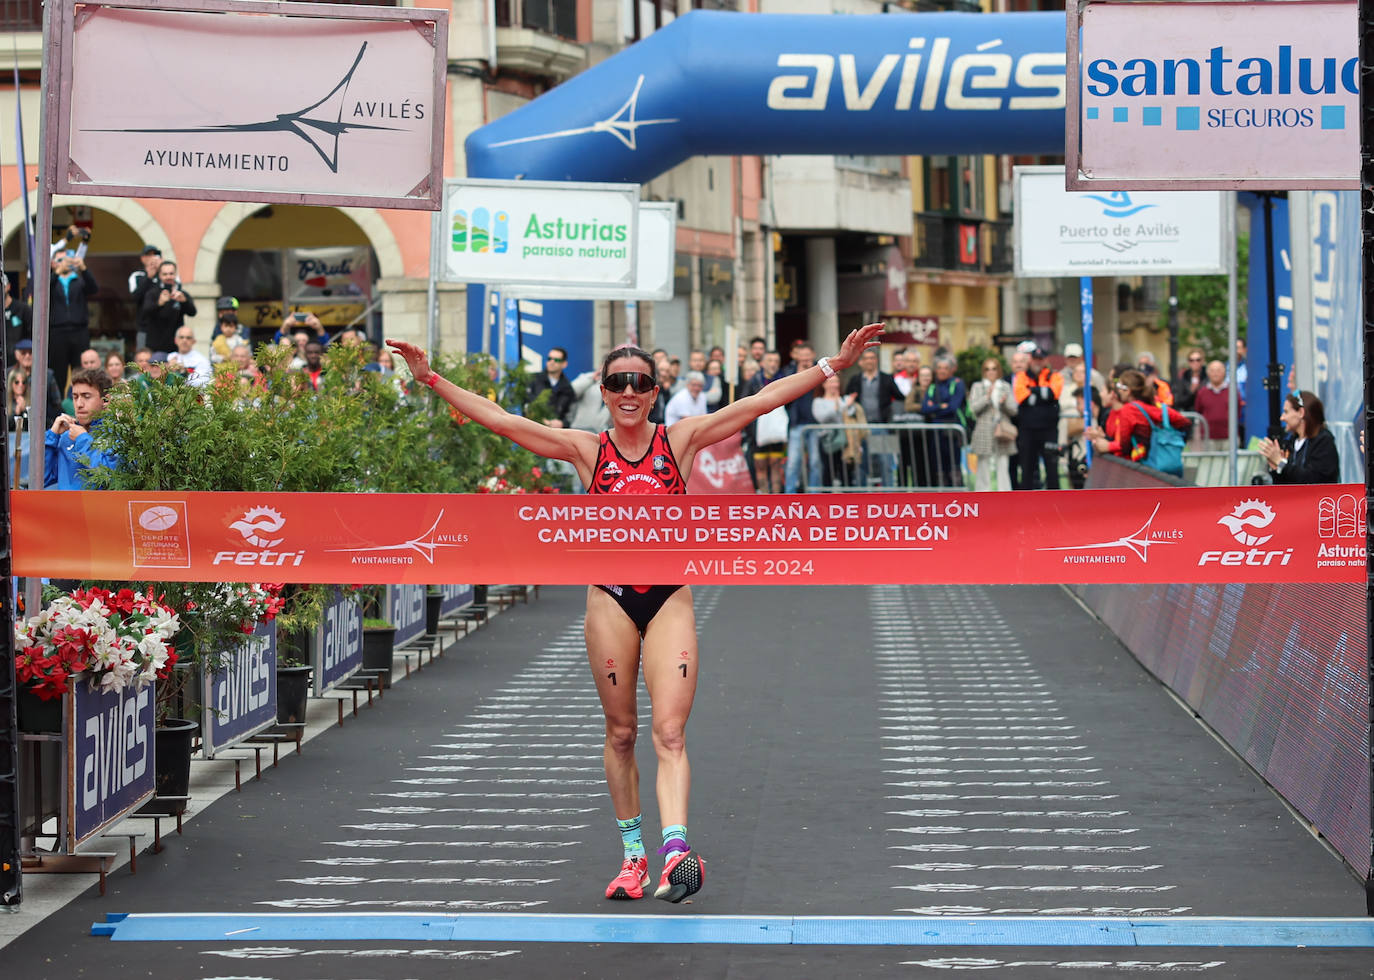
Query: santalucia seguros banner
{"x": 1232, "y": 534}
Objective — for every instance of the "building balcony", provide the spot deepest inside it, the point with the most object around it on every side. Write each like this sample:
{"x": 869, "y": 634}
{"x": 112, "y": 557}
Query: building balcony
{"x": 951, "y": 243}
{"x": 839, "y": 194}
{"x": 539, "y": 37}
{"x": 23, "y": 21}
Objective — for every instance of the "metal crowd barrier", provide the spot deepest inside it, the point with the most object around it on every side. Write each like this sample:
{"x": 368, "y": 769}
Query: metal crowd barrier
{"x": 1212, "y": 468}
{"x": 892, "y": 456}
{"x": 1201, "y": 431}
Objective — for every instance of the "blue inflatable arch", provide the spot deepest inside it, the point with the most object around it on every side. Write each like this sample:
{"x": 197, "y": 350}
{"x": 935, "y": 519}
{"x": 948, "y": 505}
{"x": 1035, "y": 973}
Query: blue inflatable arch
{"x": 761, "y": 84}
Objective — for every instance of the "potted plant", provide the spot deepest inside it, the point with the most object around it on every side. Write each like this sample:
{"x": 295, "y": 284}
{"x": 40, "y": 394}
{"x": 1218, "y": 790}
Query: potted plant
{"x": 214, "y": 618}
{"x": 303, "y": 607}
{"x": 379, "y": 648}
{"x": 108, "y": 639}
{"x": 434, "y": 601}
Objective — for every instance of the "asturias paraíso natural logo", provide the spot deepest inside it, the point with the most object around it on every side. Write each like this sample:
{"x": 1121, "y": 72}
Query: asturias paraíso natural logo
{"x": 485, "y": 230}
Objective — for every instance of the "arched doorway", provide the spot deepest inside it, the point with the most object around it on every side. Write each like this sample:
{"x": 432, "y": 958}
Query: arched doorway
{"x": 284, "y": 258}
{"x": 112, "y": 256}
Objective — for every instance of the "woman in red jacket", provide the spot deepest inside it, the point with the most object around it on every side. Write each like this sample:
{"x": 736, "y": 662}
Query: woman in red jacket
{"x": 1133, "y": 421}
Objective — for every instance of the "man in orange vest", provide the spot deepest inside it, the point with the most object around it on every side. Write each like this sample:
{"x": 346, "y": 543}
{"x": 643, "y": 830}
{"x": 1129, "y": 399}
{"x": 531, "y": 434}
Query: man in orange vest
{"x": 1037, "y": 390}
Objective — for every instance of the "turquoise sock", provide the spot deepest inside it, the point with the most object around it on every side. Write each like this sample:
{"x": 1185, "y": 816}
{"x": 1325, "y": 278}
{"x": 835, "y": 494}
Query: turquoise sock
{"x": 631, "y": 837}
{"x": 674, "y": 839}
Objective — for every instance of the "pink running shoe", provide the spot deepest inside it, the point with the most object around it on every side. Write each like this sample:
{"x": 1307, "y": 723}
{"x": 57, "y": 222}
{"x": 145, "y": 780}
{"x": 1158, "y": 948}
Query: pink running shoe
{"x": 683, "y": 874}
{"x": 630, "y": 883}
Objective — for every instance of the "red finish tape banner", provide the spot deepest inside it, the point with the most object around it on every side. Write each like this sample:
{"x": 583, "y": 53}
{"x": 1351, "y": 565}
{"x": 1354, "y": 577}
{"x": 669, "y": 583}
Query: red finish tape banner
{"x": 1230, "y": 534}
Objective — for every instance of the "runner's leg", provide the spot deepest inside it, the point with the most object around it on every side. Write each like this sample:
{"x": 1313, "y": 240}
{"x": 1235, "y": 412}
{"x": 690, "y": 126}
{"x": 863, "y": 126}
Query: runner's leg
{"x": 613, "y": 654}
{"x": 670, "y": 674}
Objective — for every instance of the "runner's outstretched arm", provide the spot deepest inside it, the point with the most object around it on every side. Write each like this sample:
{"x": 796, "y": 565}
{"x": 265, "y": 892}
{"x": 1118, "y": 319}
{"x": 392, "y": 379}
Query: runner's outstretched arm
{"x": 566, "y": 444}
{"x": 705, "y": 430}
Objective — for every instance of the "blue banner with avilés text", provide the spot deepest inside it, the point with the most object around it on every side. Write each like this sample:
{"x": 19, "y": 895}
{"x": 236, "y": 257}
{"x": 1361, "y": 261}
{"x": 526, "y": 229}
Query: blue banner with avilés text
{"x": 241, "y": 698}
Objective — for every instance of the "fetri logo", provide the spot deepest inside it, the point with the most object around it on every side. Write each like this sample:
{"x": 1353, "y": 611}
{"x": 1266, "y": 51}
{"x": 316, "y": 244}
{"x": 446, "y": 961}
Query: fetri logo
{"x": 1245, "y": 518}
{"x": 1249, "y": 515}
{"x": 484, "y": 230}
{"x": 257, "y": 526}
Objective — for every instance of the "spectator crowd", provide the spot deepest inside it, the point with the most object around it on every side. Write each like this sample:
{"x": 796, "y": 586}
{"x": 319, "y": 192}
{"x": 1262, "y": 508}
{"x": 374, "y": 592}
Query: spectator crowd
{"x": 1019, "y": 424}
{"x": 80, "y": 377}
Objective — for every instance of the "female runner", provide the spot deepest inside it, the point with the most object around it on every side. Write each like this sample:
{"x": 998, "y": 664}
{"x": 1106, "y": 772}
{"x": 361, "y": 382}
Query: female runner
{"x": 634, "y": 626}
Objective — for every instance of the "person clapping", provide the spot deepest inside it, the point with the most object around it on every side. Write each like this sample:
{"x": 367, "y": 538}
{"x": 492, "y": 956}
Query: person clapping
{"x": 1306, "y": 453}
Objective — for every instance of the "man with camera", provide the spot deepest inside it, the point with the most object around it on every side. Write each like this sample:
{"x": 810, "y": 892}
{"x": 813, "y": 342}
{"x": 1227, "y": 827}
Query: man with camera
{"x": 139, "y": 284}
{"x": 68, "y": 447}
{"x": 69, "y": 333}
{"x": 166, "y": 307}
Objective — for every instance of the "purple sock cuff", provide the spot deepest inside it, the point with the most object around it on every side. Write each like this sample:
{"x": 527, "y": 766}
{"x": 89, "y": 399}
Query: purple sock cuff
{"x": 673, "y": 846}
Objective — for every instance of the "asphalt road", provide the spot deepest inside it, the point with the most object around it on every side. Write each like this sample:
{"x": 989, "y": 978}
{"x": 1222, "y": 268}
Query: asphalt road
{"x": 871, "y": 752}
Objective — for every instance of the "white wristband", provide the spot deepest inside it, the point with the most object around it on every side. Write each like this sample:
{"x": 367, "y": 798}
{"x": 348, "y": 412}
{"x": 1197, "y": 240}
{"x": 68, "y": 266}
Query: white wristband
{"x": 826, "y": 369}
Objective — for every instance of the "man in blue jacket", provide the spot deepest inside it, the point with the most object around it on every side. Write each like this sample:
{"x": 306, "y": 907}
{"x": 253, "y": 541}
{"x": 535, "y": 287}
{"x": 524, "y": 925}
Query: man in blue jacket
{"x": 69, "y": 454}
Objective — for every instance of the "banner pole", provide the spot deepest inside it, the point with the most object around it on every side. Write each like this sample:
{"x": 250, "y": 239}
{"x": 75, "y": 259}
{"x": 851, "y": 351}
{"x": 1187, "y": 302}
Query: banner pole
{"x": 1232, "y": 395}
{"x": 431, "y": 288}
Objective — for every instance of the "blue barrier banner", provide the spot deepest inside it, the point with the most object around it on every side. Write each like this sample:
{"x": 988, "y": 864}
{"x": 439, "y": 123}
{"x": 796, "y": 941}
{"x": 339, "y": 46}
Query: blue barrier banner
{"x": 455, "y": 598}
{"x": 408, "y": 611}
{"x": 714, "y": 82}
{"x": 339, "y": 649}
{"x": 241, "y": 699}
{"x": 1338, "y": 304}
{"x": 112, "y": 745}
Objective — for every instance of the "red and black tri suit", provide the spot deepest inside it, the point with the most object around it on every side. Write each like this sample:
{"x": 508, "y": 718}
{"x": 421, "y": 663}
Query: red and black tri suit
{"x": 656, "y": 472}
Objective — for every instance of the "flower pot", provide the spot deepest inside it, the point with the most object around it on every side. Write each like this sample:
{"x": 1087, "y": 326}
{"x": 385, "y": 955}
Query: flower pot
{"x": 433, "y": 600}
{"x": 172, "y": 765}
{"x": 36, "y": 716}
{"x": 379, "y": 649}
{"x": 293, "y": 687}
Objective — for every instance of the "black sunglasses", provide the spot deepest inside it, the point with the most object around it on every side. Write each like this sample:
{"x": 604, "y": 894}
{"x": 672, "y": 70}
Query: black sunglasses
{"x": 618, "y": 382}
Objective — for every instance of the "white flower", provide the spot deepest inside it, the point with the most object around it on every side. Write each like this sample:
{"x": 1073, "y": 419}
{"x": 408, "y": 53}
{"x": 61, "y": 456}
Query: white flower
{"x": 117, "y": 677}
{"x": 153, "y": 650}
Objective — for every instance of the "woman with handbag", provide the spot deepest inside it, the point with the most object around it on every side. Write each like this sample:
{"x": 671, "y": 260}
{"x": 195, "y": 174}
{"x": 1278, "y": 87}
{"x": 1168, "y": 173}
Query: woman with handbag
{"x": 994, "y": 433}
{"x": 829, "y": 408}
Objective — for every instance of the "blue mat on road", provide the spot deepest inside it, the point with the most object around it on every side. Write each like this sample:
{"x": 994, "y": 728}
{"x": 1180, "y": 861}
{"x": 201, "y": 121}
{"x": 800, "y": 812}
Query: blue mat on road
{"x": 745, "y": 930}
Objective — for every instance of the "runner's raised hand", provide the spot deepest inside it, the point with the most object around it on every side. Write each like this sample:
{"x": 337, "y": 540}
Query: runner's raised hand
{"x": 416, "y": 358}
{"x": 856, "y": 343}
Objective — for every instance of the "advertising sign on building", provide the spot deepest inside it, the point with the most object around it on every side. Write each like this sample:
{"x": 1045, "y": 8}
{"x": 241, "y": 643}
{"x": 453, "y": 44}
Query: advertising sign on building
{"x": 327, "y": 275}
{"x": 1213, "y": 95}
{"x": 655, "y": 270}
{"x": 241, "y": 699}
{"x": 112, "y": 746}
{"x": 1120, "y": 233}
{"x": 547, "y": 233}
{"x": 333, "y": 105}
